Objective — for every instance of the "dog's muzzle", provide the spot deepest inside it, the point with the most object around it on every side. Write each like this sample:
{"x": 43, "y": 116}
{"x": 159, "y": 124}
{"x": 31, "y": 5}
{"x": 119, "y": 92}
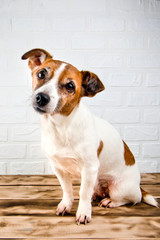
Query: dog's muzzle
{"x": 42, "y": 99}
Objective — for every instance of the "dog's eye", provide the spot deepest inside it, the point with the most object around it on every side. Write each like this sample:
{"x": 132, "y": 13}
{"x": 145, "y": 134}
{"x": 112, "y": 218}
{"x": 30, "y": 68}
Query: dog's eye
{"x": 42, "y": 74}
{"x": 70, "y": 87}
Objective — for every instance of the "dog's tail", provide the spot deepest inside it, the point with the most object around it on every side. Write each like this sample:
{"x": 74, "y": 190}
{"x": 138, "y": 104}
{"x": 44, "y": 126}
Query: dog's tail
{"x": 148, "y": 198}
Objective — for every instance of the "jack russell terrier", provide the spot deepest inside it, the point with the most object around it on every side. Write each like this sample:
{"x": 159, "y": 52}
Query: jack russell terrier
{"x": 78, "y": 143}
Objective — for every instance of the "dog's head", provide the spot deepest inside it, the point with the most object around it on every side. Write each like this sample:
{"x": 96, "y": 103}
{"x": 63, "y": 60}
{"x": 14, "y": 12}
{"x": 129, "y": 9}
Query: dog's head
{"x": 58, "y": 86}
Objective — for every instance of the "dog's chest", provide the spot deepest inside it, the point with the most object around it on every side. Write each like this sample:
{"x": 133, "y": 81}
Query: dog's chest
{"x": 61, "y": 148}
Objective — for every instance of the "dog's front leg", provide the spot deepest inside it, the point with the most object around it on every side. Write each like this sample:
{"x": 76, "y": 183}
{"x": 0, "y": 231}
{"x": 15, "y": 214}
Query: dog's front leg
{"x": 66, "y": 204}
{"x": 88, "y": 181}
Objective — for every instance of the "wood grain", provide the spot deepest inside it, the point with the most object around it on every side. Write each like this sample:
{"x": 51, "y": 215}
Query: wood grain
{"x": 52, "y": 192}
{"x": 51, "y": 180}
{"x": 28, "y": 211}
{"x": 39, "y": 207}
{"x": 109, "y": 227}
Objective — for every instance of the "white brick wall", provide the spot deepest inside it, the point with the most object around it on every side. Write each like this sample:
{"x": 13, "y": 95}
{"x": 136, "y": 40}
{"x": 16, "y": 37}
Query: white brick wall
{"x": 119, "y": 40}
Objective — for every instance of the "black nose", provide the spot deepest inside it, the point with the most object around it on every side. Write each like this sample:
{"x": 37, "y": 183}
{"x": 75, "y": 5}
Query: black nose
{"x": 42, "y": 99}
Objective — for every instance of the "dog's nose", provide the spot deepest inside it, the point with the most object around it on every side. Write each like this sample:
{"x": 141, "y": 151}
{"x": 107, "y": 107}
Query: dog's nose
{"x": 42, "y": 99}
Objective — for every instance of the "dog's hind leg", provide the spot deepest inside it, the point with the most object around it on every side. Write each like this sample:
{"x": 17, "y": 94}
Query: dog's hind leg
{"x": 122, "y": 193}
{"x": 107, "y": 202}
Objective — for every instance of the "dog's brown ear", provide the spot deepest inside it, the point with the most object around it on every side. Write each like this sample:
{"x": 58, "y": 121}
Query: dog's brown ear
{"x": 91, "y": 84}
{"x": 36, "y": 57}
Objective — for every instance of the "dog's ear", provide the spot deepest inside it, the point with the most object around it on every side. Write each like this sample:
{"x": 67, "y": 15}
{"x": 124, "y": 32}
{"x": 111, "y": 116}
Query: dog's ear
{"x": 91, "y": 84}
{"x": 36, "y": 57}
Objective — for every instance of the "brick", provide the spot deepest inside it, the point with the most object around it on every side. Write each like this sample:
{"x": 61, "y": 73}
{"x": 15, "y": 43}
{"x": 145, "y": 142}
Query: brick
{"x": 15, "y": 63}
{"x": 104, "y": 60}
{"x": 122, "y": 116}
{"x": 13, "y": 115}
{"x": 22, "y": 24}
{"x": 33, "y": 116}
{"x": 101, "y": 23}
{"x": 55, "y": 41}
{"x": 145, "y": 25}
{"x": 153, "y": 80}
{"x": 105, "y": 99}
{"x": 144, "y": 61}
{"x": 22, "y": 167}
{"x": 49, "y": 6}
{"x": 147, "y": 166}
{"x": 127, "y": 42}
{"x": 4, "y": 96}
{"x": 12, "y": 151}
{"x": 158, "y": 166}
{"x": 68, "y": 24}
{"x": 128, "y": 5}
{"x": 110, "y": 98}
{"x": 88, "y": 6}
{"x": 154, "y": 6}
{"x": 125, "y": 79}
{"x": 17, "y": 96}
{"x": 143, "y": 99}
{"x": 3, "y": 168}
{"x": 14, "y": 6}
{"x": 151, "y": 150}
{"x": 151, "y": 116}
{"x": 87, "y": 41}
{"x": 3, "y": 61}
{"x": 3, "y": 134}
{"x": 154, "y": 42}
{"x": 47, "y": 168}
{"x": 26, "y": 133}
{"x": 141, "y": 133}
{"x": 5, "y": 25}
{"x": 75, "y": 58}
{"x": 15, "y": 40}
{"x": 17, "y": 77}
{"x": 35, "y": 151}
{"x": 135, "y": 149}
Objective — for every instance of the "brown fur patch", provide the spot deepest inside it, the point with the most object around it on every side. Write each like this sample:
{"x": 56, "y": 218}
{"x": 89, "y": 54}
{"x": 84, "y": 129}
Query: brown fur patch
{"x": 69, "y": 100}
{"x": 99, "y": 150}
{"x": 34, "y": 57}
{"x": 128, "y": 156}
{"x": 52, "y": 65}
{"x": 91, "y": 84}
{"x": 144, "y": 193}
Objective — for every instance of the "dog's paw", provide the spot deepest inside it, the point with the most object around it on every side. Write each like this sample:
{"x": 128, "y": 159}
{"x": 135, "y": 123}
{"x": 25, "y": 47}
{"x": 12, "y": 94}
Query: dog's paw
{"x": 105, "y": 202}
{"x": 83, "y": 218}
{"x": 63, "y": 208}
{"x": 83, "y": 215}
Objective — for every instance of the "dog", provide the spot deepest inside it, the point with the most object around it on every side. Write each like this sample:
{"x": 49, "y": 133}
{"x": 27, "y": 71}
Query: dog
{"x": 78, "y": 143}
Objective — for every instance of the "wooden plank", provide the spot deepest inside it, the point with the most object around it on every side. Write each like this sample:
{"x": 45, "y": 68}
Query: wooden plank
{"x": 31, "y": 180}
{"x": 30, "y": 192}
{"x": 65, "y": 227}
{"x": 152, "y": 189}
{"x": 52, "y": 192}
{"x": 27, "y": 180}
{"x": 47, "y": 208}
{"x": 150, "y": 178}
{"x": 83, "y": 238}
{"x": 51, "y": 180}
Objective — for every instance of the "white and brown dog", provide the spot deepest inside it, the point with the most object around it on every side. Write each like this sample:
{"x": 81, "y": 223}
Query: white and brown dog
{"x": 77, "y": 142}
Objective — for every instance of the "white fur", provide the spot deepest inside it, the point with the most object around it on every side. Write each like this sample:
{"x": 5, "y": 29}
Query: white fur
{"x": 149, "y": 199}
{"x": 71, "y": 144}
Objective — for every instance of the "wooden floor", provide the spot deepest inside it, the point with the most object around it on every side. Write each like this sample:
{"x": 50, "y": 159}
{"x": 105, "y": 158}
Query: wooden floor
{"x": 28, "y": 206}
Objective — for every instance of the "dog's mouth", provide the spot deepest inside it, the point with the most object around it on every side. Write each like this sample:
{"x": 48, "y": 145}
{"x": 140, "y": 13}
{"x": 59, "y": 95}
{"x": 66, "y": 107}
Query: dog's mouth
{"x": 38, "y": 109}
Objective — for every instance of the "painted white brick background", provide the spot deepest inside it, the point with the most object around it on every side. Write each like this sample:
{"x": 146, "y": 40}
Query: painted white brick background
{"x": 119, "y": 40}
